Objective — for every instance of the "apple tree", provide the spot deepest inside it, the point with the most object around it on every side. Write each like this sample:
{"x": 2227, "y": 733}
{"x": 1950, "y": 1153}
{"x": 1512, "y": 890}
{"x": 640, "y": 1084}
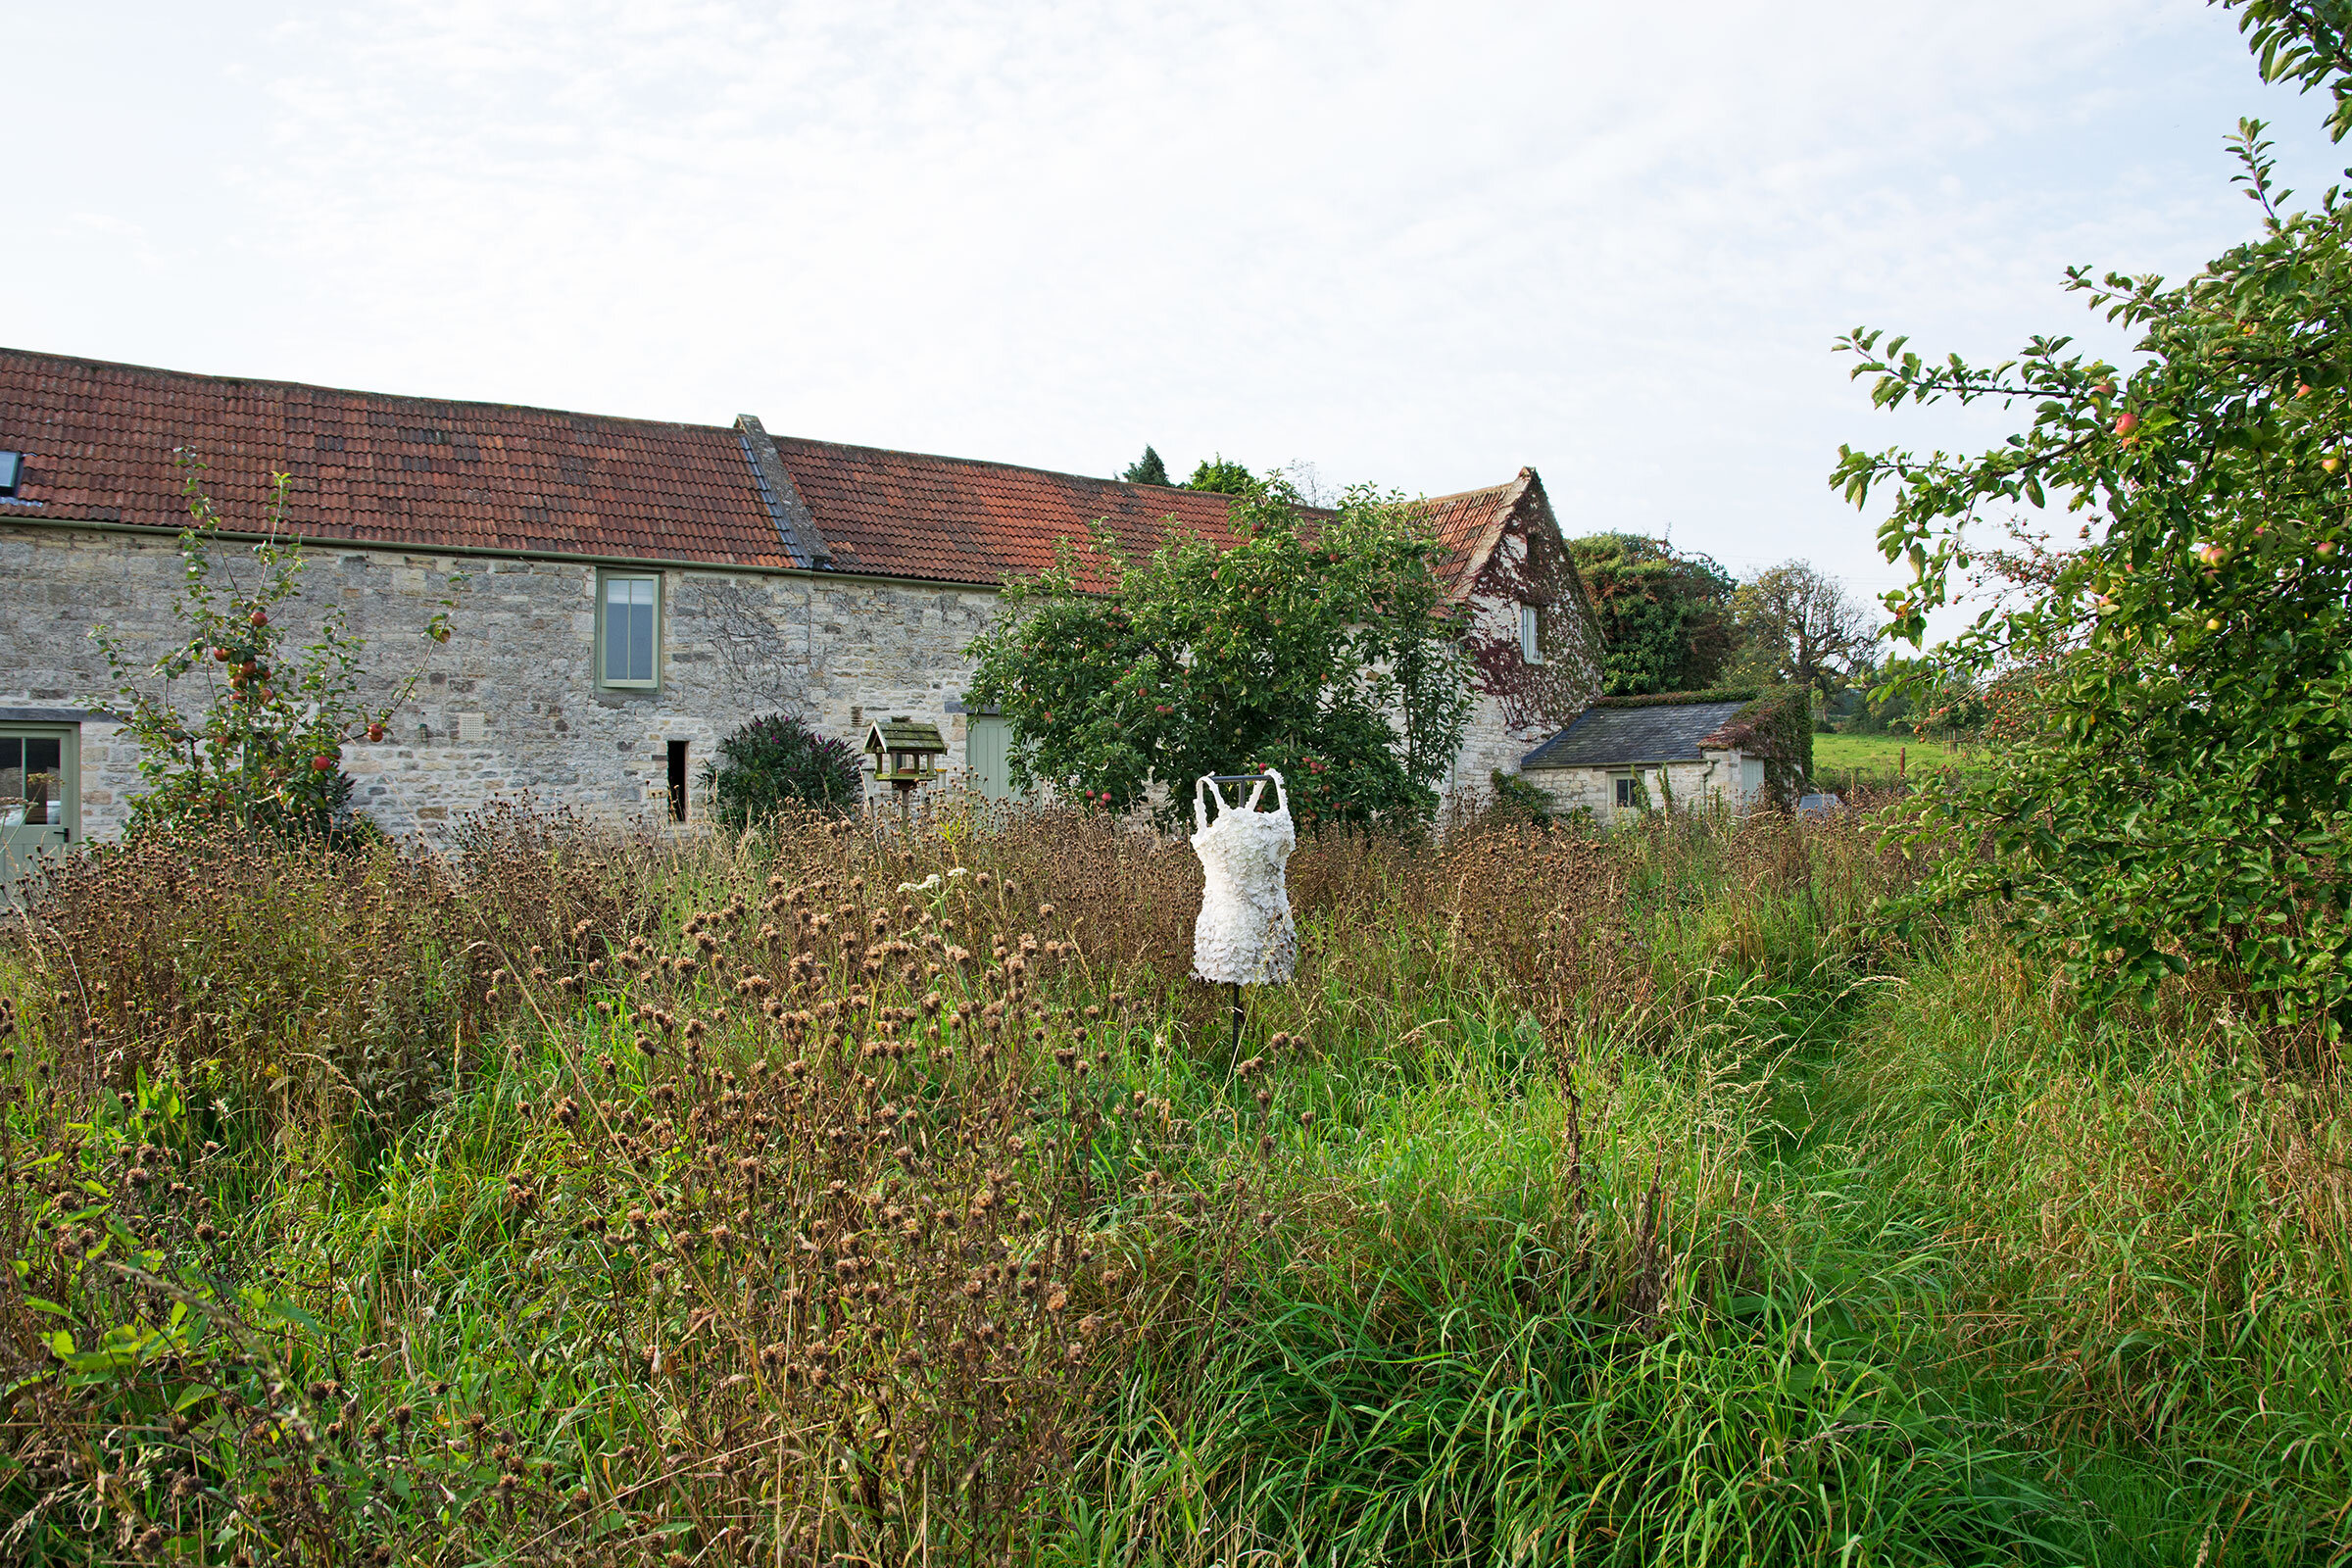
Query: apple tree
{"x": 1323, "y": 649}
{"x": 2175, "y": 790}
{"x": 264, "y": 748}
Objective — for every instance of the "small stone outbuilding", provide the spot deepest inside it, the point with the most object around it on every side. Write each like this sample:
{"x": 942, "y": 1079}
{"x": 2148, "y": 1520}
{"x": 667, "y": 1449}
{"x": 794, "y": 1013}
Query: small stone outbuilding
{"x": 1626, "y": 756}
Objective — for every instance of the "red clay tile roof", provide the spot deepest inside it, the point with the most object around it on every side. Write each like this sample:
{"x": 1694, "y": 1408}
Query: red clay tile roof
{"x": 953, "y": 520}
{"x": 429, "y": 473}
{"x": 386, "y": 470}
{"x": 1468, "y": 523}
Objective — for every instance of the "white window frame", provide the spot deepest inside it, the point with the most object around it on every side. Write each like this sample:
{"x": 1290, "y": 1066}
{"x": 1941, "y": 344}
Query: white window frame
{"x": 1531, "y": 635}
{"x": 603, "y": 580}
{"x": 1625, "y": 782}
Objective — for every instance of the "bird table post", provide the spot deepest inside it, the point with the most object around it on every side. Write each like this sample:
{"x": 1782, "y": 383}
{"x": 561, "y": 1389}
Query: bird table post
{"x": 902, "y": 751}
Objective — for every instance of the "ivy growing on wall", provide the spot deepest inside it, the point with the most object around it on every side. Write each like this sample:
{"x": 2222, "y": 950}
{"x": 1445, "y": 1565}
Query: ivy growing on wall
{"x": 1550, "y": 693}
{"x": 1665, "y": 615}
{"x": 1776, "y": 725}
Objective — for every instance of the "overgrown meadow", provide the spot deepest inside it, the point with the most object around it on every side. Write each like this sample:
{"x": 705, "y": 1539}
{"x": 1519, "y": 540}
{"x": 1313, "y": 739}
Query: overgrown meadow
{"x": 885, "y": 1194}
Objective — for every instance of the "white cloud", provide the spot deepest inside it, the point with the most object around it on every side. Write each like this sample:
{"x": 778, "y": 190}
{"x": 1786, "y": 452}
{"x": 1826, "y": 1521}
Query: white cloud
{"x": 1416, "y": 244}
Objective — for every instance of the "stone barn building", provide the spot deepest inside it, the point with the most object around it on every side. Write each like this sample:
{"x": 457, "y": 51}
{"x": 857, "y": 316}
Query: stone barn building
{"x": 634, "y": 589}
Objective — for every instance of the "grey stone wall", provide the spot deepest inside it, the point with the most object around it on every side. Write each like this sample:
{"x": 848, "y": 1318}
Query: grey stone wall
{"x": 1718, "y": 780}
{"x": 509, "y": 707}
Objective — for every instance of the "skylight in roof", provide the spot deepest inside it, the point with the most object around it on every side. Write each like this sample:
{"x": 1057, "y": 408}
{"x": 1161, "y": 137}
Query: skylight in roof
{"x": 12, "y": 469}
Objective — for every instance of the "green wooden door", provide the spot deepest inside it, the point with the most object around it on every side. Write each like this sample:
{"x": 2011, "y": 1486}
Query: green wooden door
{"x": 985, "y": 739}
{"x": 40, "y": 792}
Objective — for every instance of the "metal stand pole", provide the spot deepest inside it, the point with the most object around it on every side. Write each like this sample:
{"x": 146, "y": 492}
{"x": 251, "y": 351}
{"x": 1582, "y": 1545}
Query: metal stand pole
{"x": 1236, "y": 1048}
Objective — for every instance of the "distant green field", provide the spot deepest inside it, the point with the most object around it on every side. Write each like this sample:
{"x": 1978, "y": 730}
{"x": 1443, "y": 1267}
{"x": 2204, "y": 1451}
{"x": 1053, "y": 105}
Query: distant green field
{"x": 1840, "y": 758}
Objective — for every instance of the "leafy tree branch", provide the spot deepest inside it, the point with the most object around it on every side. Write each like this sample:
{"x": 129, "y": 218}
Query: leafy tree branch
{"x": 264, "y": 748}
{"x": 2177, "y": 683}
{"x": 1328, "y": 653}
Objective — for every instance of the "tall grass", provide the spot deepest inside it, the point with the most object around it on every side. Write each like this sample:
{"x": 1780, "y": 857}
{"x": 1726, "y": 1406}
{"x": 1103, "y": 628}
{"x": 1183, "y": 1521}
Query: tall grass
{"x": 886, "y": 1193}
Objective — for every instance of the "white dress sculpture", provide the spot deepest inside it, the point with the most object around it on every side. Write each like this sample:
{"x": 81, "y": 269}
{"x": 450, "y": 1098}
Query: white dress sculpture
{"x": 1243, "y": 936}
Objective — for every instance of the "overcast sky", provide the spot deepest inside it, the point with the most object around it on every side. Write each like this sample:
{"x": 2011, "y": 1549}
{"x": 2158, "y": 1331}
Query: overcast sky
{"x": 1421, "y": 245}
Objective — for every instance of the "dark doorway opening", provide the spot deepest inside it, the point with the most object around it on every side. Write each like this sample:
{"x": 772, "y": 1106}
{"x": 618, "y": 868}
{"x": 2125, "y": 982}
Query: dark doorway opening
{"x": 677, "y": 782}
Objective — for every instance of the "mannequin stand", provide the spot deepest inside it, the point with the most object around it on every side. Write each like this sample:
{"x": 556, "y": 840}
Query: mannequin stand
{"x": 1218, "y": 781}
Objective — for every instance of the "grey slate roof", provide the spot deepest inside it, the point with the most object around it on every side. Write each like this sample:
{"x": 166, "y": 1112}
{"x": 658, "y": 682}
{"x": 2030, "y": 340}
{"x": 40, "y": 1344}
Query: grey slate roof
{"x": 1617, "y": 737}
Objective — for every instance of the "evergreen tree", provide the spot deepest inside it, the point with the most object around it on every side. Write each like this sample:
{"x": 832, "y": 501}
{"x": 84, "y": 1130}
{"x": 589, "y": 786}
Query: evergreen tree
{"x": 1148, "y": 469}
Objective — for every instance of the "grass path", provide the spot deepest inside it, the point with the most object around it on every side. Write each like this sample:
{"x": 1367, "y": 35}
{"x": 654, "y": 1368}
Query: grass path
{"x": 1898, "y": 1266}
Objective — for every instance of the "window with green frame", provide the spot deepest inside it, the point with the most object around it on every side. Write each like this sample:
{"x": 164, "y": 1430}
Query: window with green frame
{"x": 629, "y": 629}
